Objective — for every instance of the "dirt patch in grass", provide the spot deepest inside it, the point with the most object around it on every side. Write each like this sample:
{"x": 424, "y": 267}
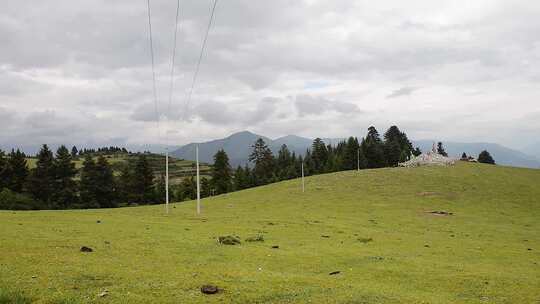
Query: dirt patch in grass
{"x": 440, "y": 213}
{"x": 427, "y": 193}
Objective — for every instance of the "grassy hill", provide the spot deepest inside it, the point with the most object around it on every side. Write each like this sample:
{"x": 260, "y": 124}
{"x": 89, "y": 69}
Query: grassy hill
{"x": 178, "y": 168}
{"x": 373, "y": 226}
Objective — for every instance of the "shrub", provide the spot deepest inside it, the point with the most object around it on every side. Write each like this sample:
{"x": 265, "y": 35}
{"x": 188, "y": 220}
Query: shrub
{"x": 10, "y": 200}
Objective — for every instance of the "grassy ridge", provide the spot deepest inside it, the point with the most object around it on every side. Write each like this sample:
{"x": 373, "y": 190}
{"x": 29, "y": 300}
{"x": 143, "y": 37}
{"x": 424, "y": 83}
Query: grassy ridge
{"x": 478, "y": 255}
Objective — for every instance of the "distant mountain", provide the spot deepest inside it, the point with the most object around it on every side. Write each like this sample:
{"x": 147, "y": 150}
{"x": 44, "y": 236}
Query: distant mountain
{"x": 533, "y": 150}
{"x": 501, "y": 154}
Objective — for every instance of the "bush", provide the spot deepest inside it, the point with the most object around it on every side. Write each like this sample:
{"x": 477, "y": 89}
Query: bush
{"x": 10, "y": 200}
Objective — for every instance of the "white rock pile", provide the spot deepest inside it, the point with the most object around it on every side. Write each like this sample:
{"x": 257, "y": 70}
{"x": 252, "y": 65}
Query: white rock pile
{"x": 428, "y": 159}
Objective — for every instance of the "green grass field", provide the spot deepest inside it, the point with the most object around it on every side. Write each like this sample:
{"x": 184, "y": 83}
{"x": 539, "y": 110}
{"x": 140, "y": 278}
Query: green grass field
{"x": 488, "y": 251}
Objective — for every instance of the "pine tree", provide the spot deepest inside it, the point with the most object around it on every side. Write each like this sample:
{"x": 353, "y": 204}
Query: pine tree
{"x": 106, "y": 194}
{"x": 417, "y": 151}
{"x": 284, "y": 161}
{"x": 221, "y": 173}
{"x": 125, "y": 184}
{"x": 19, "y": 171}
{"x": 74, "y": 152}
{"x": 372, "y": 147}
{"x": 5, "y": 172}
{"x": 88, "y": 184}
{"x": 263, "y": 159}
{"x": 319, "y": 155}
{"x": 143, "y": 182}
{"x": 485, "y": 157}
{"x": 440, "y": 149}
{"x": 42, "y": 177}
{"x": 65, "y": 187}
{"x": 464, "y": 156}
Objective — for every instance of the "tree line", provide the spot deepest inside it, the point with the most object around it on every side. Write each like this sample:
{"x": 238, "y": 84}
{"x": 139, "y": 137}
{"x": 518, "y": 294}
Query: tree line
{"x": 55, "y": 182}
{"x": 372, "y": 151}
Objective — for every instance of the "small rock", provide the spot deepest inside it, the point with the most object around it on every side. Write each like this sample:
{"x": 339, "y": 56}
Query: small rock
{"x": 103, "y": 293}
{"x": 275, "y": 247}
{"x": 98, "y": 221}
{"x": 34, "y": 276}
{"x": 257, "y": 238}
{"x": 209, "y": 289}
{"x": 529, "y": 249}
{"x": 427, "y": 246}
{"x": 334, "y": 272}
{"x": 325, "y": 236}
{"x": 86, "y": 249}
{"x": 229, "y": 240}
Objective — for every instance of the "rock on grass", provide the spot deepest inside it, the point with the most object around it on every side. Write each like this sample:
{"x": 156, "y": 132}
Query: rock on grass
{"x": 229, "y": 240}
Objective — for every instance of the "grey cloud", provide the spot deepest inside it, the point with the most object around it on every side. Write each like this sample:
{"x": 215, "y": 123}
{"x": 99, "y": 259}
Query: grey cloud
{"x": 405, "y": 91}
{"x": 308, "y": 104}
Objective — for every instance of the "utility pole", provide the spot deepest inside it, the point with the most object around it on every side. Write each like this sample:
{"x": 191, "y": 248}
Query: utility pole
{"x": 358, "y": 159}
{"x": 303, "y": 184}
{"x": 167, "y": 180}
{"x": 198, "y": 181}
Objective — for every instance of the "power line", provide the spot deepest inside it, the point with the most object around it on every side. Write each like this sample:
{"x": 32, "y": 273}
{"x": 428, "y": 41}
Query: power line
{"x": 186, "y": 108}
{"x": 171, "y": 85}
{"x": 153, "y": 66}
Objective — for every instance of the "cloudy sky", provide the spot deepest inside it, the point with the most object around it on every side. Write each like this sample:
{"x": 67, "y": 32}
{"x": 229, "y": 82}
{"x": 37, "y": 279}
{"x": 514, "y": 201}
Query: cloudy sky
{"x": 79, "y": 72}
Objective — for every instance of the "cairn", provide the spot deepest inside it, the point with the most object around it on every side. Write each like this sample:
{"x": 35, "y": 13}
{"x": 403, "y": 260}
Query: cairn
{"x": 431, "y": 158}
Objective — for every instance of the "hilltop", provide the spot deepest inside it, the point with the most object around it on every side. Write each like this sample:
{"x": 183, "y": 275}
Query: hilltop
{"x": 467, "y": 233}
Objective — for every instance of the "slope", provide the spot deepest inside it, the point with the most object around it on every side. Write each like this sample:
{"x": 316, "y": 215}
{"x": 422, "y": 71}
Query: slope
{"x": 371, "y": 226}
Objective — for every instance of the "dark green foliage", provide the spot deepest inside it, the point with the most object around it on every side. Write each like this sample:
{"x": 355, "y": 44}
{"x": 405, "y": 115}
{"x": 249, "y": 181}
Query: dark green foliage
{"x": 352, "y": 155}
{"x": 160, "y": 191}
{"x": 242, "y": 178}
{"x": 4, "y": 170}
{"x": 221, "y": 173}
{"x": 143, "y": 181}
{"x": 42, "y": 178}
{"x": 10, "y": 200}
{"x": 485, "y": 158}
{"x": 263, "y": 159}
{"x": 74, "y": 152}
{"x": 88, "y": 191}
{"x": 206, "y": 188}
{"x": 98, "y": 187}
{"x": 18, "y": 171}
{"x": 464, "y": 156}
{"x": 65, "y": 188}
{"x": 440, "y": 149}
{"x": 106, "y": 188}
{"x": 397, "y": 147}
{"x": 319, "y": 156}
{"x": 372, "y": 147}
{"x": 417, "y": 151}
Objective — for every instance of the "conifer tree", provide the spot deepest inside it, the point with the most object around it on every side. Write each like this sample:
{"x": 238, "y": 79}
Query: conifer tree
{"x": 74, "y": 152}
{"x": 319, "y": 156}
{"x": 5, "y": 173}
{"x": 417, "y": 151}
{"x": 440, "y": 149}
{"x": 143, "y": 181}
{"x": 263, "y": 159}
{"x": 65, "y": 187}
{"x": 88, "y": 191}
{"x": 42, "y": 177}
{"x": 106, "y": 193}
{"x": 19, "y": 171}
{"x": 221, "y": 173}
{"x": 485, "y": 157}
{"x": 372, "y": 147}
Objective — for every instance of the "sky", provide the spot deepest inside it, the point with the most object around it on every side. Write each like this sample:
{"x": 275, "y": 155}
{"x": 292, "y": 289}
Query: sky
{"x": 79, "y": 72}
